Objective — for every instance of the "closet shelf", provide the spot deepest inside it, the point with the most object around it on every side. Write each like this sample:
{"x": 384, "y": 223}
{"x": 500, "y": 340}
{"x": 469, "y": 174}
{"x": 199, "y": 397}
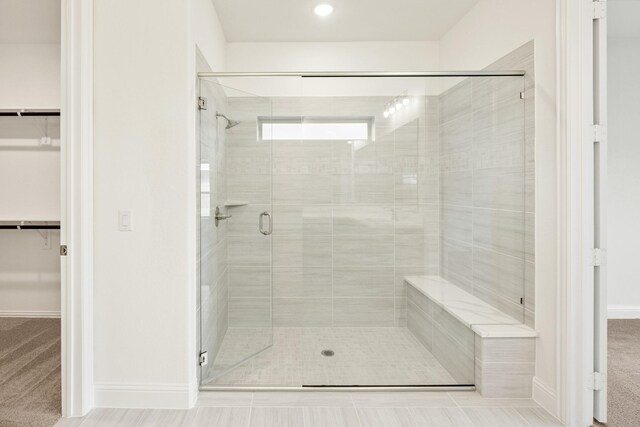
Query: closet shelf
{"x": 31, "y": 143}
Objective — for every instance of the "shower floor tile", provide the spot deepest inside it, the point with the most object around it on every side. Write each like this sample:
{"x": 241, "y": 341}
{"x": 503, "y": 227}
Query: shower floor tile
{"x": 362, "y": 356}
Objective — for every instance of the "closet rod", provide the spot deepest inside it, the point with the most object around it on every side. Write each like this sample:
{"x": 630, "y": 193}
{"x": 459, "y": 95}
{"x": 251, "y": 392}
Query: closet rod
{"x": 30, "y": 113}
{"x": 29, "y": 227}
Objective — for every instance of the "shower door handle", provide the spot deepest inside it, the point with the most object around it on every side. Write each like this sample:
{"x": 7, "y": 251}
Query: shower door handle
{"x": 262, "y": 230}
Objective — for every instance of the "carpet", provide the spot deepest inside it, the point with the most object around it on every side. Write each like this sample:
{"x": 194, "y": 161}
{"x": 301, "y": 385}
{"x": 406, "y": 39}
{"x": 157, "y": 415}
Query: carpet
{"x": 29, "y": 372}
{"x": 623, "y": 408}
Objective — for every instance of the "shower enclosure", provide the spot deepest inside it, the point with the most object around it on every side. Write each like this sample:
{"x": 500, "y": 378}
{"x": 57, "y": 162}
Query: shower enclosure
{"x": 319, "y": 194}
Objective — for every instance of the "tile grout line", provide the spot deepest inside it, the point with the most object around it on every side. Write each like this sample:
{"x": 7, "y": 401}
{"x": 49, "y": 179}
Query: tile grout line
{"x": 250, "y": 409}
{"x": 355, "y": 409}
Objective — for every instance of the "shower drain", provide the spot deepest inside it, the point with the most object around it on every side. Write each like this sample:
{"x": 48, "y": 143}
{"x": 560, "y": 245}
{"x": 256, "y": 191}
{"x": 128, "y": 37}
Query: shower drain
{"x": 327, "y": 353}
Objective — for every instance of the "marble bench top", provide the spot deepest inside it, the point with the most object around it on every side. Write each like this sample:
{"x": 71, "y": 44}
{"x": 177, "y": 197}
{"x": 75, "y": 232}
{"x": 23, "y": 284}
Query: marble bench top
{"x": 484, "y": 319}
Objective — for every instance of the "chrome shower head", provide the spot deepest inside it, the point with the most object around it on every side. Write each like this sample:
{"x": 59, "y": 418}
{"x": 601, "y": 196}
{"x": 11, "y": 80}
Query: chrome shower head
{"x": 230, "y": 123}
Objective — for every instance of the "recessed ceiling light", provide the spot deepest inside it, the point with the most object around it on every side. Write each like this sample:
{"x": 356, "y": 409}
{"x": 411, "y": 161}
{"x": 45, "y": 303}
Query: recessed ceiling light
{"x": 323, "y": 9}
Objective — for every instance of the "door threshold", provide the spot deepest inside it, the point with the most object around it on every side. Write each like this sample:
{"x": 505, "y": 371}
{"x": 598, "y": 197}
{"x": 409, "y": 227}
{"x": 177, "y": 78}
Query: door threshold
{"x": 304, "y": 388}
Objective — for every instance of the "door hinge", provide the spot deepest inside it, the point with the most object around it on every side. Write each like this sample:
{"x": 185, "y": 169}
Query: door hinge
{"x": 522, "y": 94}
{"x": 63, "y": 250}
{"x": 596, "y": 381}
{"x": 598, "y": 133}
{"x": 203, "y": 359}
{"x": 599, "y": 9}
{"x": 597, "y": 257}
{"x": 202, "y": 103}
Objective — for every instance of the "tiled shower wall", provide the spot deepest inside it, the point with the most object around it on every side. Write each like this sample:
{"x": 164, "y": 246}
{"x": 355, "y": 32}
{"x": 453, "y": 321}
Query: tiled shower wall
{"x": 212, "y": 240}
{"x": 350, "y": 220}
{"x": 487, "y": 191}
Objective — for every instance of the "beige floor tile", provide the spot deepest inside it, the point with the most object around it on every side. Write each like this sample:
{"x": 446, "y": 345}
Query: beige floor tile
{"x": 224, "y": 398}
{"x": 402, "y": 399}
{"x": 302, "y": 399}
{"x": 113, "y": 417}
{"x": 493, "y": 417}
{"x": 334, "y": 417}
{"x": 167, "y": 418}
{"x": 385, "y": 417}
{"x": 276, "y": 417}
{"x": 474, "y": 399}
{"x": 222, "y": 417}
{"x": 440, "y": 417}
{"x": 538, "y": 417}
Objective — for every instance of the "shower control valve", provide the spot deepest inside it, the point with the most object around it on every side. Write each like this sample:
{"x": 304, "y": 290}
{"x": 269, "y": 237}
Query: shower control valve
{"x": 220, "y": 216}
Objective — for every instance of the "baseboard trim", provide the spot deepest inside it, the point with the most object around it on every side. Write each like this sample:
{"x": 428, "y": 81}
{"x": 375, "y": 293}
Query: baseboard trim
{"x": 31, "y": 314}
{"x": 544, "y": 396}
{"x": 623, "y": 312}
{"x": 152, "y": 396}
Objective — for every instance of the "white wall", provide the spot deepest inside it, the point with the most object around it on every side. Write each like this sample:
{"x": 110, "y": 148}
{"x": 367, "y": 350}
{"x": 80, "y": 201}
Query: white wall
{"x": 29, "y": 76}
{"x": 489, "y": 31}
{"x": 144, "y": 156}
{"x": 347, "y": 56}
{"x": 624, "y": 175}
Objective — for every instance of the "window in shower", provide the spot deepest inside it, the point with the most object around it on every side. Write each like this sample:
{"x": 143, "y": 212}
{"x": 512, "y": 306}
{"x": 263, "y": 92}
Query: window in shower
{"x": 315, "y": 129}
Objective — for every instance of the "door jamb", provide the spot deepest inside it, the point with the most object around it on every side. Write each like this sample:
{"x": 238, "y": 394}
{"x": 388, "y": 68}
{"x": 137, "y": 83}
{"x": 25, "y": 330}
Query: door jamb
{"x": 576, "y": 219}
{"x": 76, "y": 221}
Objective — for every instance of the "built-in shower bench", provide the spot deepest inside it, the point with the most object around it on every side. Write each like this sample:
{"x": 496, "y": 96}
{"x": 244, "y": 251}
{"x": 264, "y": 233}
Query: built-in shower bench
{"x": 477, "y": 343}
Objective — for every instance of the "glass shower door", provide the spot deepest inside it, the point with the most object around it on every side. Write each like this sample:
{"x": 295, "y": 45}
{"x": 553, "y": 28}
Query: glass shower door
{"x": 235, "y": 232}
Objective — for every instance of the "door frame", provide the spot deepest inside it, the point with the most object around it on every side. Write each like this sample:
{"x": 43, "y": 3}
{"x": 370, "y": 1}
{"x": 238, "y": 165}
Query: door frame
{"x": 76, "y": 216}
{"x": 581, "y": 91}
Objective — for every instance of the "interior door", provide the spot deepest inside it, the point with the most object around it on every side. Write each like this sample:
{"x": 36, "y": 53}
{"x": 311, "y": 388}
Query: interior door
{"x": 235, "y": 212}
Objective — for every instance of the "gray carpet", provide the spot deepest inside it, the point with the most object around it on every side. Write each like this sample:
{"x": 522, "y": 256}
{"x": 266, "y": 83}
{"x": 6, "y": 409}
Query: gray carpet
{"x": 624, "y": 373}
{"x": 29, "y": 372}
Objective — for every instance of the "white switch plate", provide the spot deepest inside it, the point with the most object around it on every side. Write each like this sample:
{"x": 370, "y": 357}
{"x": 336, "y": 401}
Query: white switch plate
{"x": 125, "y": 220}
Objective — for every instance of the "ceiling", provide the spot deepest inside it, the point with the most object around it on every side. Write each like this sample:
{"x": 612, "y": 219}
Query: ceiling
{"x": 352, "y": 20}
{"x": 623, "y": 18}
{"x": 30, "y": 21}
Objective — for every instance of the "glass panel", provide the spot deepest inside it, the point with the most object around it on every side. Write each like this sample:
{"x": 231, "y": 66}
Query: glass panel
{"x": 235, "y": 250}
{"x": 388, "y": 243}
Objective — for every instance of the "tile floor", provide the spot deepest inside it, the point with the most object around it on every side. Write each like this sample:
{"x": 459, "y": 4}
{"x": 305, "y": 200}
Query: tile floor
{"x": 362, "y": 356}
{"x": 331, "y": 409}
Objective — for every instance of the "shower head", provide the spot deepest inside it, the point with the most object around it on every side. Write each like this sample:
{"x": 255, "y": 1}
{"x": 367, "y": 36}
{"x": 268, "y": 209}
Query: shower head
{"x": 230, "y": 123}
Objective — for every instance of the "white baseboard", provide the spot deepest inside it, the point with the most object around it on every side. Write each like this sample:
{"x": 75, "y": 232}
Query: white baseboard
{"x": 545, "y": 396}
{"x": 623, "y": 312}
{"x": 152, "y": 396}
{"x": 31, "y": 314}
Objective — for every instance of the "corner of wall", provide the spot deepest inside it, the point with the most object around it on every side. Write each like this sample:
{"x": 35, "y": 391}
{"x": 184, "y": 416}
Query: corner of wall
{"x": 545, "y": 396}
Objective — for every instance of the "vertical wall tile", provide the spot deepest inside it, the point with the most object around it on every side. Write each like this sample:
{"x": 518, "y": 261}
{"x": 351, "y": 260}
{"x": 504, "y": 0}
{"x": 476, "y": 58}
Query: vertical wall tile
{"x": 363, "y": 312}
{"x": 363, "y": 250}
{"x": 369, "y": 281}
{"x": 301, "y": 312}
{"x": 299, "y": 251}
{"x": 302, "y": 282}
{"x": 457, "y": 262}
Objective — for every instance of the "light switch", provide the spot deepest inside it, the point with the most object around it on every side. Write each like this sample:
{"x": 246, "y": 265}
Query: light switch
{"x": 125, "y": 221}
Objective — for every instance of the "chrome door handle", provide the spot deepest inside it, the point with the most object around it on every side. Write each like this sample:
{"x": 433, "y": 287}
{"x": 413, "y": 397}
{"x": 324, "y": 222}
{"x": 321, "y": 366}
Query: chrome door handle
{"x": 268, "y": 215}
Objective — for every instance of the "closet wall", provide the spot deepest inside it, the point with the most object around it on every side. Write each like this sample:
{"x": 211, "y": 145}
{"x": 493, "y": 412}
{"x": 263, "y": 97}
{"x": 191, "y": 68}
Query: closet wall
{"x": 29, "y": 172}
